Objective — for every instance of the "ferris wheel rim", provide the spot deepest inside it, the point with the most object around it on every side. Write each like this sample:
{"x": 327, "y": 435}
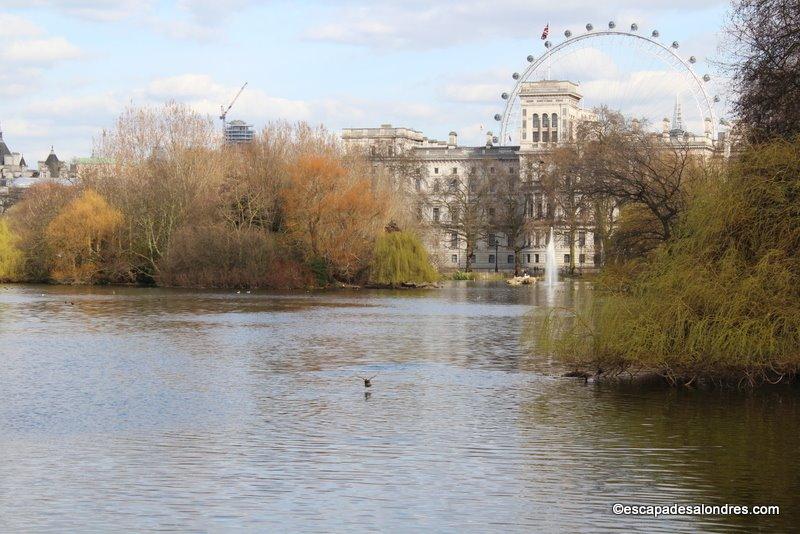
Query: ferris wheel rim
{"x": 572, "y": 39}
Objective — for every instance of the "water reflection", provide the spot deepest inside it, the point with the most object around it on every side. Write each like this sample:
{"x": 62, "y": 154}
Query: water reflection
{"x": 140, "y": 409}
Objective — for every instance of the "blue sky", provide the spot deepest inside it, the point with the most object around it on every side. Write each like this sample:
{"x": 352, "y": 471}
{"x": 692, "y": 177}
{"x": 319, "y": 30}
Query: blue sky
{"x": 68, "y": 67}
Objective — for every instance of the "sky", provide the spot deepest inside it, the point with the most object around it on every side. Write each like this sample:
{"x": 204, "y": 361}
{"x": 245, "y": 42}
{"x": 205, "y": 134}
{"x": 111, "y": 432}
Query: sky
{"x": 69, "y": 67}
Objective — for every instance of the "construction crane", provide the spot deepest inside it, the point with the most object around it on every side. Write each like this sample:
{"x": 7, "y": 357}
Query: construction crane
{"x": 224, "y": 111}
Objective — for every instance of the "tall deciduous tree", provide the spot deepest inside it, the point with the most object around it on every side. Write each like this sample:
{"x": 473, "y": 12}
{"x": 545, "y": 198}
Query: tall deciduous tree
{"x": 79, "y": 236}
{"x": 764, "y": 42}
{"x": 461, "y": 207}
{"x": 334, "y": 211}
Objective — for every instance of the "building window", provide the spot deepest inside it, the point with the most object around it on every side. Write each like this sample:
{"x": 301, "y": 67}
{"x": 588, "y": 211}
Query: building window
{"x": 535, "y": 137}
{"x": 435, "y": 214}
{"x": 555, "y": 136}
{"x": 536, "y": 258}
{"x": 511, "y": 170}
{"x": 524, "y": 134}
{"x": 436, "y": 186}
{"x": 581, "y": 239}
{"x": 581, "y": 258}
{"x": 491, "y": 212}
{"x": 510, "y": 258}
{"x": 455, "y": 170}
{"x": 453, "y": 186}
{"x": 491, "y": 170}
{"x": 436, "y": 170}
{"x": 418, "y": 184}
{"x": 454, "y": 214}
{"x": 391, "y": 151}
{"x": 492, "y": 240}
{"x": 555, "y": 121}
{"x": 545, "y": 120}
{"x": 491, "y": 258}
{"x": 453, "y": 240}
{"x": 566, "y": 259}
{"x": 454, "y": 258}
{"x": 535, "y": 121}
{"x": 372, "y": 150}
{"x": 545, "y": 137}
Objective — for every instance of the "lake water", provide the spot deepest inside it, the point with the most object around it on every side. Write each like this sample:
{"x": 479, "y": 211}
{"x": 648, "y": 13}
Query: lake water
{"x": 135, "y": 409}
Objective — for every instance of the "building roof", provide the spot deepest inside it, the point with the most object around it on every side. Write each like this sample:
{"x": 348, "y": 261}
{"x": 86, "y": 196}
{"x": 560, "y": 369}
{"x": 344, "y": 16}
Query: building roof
{"x": 51, "y": 158}
{"x": 4, "y": 151}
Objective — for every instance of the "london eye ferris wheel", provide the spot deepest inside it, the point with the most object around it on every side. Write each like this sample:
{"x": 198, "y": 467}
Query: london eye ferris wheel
{"x": 629, "y": 70}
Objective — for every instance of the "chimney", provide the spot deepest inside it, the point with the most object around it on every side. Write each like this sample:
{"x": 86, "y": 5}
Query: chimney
{"x": 453, "y": 139}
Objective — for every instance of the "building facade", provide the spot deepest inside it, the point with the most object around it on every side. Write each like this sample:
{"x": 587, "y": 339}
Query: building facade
{"x": 238, "y": 132}
{"x": 443, "y": 176}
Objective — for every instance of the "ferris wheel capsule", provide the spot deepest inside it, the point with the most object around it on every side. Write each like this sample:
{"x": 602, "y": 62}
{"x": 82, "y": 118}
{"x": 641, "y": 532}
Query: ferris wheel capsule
{"x": 716, "y": 98}
{"x": 530, "y": 59}
{"x": 675, "y": 44}
{"x": 497, "y": 116}
{"x": 655, "y": 33}
{"x": 589, "y": 27}
{"x": 692, "y": 60}
{"x": 515, "y": 75}
{"x": 504, "y": 96}
{"x": 612, "y": 25}
{"x": 634, "y": 27}
{"x": 567, "y": 34}
{"x": 548, "y": 44}
{"x": 706, "y": 78}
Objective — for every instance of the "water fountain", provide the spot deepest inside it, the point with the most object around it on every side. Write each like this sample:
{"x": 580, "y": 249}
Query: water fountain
{"x": 551, "y": 269}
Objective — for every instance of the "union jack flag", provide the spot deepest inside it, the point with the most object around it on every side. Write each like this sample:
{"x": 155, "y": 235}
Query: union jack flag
{"x": 546, "y": 31}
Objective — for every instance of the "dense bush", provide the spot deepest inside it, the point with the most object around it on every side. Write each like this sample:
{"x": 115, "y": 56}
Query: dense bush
{"x": 10, "y": 255}
{"x": 78, "y": 239}
{"x": 721, "y": 301}
{"x": 400, "y": 258}
{"x": 215, "y": 256}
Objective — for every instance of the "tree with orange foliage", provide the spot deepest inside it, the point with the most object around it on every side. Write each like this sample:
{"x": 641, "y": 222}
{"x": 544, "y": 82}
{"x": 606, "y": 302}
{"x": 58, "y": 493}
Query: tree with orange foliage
{"x": 78, "y": 237}
{"x": 334, "y": 211}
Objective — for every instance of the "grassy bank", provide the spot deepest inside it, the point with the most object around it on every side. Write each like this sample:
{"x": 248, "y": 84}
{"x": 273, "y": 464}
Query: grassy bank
{"x": 719, "y": 303}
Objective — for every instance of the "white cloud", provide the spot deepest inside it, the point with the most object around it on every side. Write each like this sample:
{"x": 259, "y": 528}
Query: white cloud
{"x": 40, "y": 51}
{"x": 418, "y": 24}
{"x": 97, "y": 10}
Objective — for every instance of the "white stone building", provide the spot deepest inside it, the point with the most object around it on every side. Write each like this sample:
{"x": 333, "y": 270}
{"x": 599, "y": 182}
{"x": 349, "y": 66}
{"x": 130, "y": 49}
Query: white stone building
{"x": 550, "y": 112}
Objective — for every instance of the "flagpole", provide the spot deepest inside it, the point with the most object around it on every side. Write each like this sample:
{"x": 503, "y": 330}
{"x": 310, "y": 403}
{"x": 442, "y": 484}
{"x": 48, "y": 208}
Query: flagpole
{"x": 545, "y": 35}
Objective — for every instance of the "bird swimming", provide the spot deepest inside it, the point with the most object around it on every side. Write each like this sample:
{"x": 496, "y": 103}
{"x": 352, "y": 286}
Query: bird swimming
{"x": 367, "y": 381}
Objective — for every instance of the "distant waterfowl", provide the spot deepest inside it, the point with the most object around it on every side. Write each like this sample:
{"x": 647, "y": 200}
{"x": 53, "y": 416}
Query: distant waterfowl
{"x": 367, "y": 381}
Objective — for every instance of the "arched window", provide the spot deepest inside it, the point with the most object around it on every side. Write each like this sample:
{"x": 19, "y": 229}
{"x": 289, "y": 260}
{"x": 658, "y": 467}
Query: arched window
{"x": 545, "y": 120}
{"x": 555, "y": 120}
{"x": 535, "y": 121}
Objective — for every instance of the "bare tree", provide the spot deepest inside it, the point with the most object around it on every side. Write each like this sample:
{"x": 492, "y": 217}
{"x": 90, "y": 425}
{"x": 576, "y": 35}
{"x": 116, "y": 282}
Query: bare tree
{"x": 508, "y": 204}
{"x": 632, "y": 165}
{"x": 764, "y": 49}
{"x": 459, "y": 207}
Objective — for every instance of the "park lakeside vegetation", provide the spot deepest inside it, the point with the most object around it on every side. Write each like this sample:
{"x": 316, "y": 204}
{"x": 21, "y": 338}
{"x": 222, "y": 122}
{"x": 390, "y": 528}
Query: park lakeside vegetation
{"x": 711, "y": 294}
{"x": 168, "y": 205}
